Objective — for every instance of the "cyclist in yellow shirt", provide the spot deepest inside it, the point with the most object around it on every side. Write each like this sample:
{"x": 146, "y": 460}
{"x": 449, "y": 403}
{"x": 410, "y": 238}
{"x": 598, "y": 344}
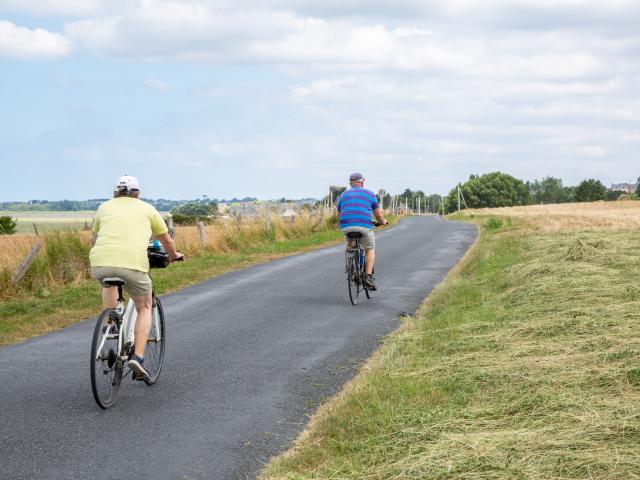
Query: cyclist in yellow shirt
{"x": 122, "y": 229}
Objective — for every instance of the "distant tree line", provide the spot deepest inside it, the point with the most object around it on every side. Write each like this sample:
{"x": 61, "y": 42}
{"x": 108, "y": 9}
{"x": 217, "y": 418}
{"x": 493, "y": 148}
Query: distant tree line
{"x": 162, "y": 204}
{"x": 499, "y": 189}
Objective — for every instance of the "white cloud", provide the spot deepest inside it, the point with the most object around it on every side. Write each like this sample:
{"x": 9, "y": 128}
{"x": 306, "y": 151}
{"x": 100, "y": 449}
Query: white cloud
{"x": 178, "y": 30}
{"x": 156, "y": 85}
{"x": 443, "y": 88}
{"x": 23, "y": 42}
{"x": 58, "y": 7}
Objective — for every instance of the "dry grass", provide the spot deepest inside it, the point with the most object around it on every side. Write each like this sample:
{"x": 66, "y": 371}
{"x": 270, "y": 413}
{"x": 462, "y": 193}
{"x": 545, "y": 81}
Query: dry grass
{"x": 64, "y": 257}
{"x": 570, "y": 216}
{"x": 57, "y": 291}
{"x": 231, "y": 235}
{"x": 13, "y": 249}
{"x": 525, "y": 364}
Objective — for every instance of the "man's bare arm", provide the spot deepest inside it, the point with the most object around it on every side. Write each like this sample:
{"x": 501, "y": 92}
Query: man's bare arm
{"x": 379, "y": 215}
{"x": 170, "y": 246}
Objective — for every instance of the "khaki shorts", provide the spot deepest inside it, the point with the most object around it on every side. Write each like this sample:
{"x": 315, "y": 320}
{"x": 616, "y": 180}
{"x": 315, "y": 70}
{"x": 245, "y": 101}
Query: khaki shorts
{"x": 138, "y": 283}
{"x": 368, "y": 240}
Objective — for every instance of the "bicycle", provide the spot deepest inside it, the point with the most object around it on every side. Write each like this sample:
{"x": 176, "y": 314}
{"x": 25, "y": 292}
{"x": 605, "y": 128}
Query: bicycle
{"x": 355, "y": 268}
{"x": 113, "y": 343}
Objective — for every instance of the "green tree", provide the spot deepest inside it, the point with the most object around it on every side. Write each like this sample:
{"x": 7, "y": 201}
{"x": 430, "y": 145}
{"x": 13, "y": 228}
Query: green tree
{"x": 490, "y": 190}
{"x": 7, "y": 226}
{"x": 638, "y": 188}
{"x": 334, "y": 194}
{"x": 191, "y": 212}
{"x": 434, "y": 203}
{"x": 613, "y": 195}
{"x": 548, "y": 190}
{"x": 590, "y": 190}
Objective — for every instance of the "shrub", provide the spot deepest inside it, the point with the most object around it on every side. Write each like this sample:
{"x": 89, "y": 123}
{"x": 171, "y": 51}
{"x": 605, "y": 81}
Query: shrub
{"x": 64, "y": 259}
{"x": 7, "y": 226}
{"x": 590, "y": 190}
{"x": 493, "y": 223}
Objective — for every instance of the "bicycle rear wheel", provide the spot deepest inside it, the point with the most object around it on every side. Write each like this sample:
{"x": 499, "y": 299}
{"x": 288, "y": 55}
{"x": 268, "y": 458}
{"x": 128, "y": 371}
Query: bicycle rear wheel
{"x": 154, "y": 352}
{"x": 353, "y": 279}
{"x": 106, "y": 366}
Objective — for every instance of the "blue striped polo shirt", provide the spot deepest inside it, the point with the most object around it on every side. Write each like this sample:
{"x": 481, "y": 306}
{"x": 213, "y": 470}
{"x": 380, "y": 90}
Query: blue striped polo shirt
{"x": 356, "y": 206}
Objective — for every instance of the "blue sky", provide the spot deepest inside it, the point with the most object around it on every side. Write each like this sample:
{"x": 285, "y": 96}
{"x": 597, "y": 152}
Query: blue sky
{"x": 280, "y": 98}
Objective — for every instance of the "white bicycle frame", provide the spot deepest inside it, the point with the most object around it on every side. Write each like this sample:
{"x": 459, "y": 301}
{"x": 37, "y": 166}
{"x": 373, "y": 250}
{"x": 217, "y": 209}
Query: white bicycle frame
{"x": 126, "y": 336}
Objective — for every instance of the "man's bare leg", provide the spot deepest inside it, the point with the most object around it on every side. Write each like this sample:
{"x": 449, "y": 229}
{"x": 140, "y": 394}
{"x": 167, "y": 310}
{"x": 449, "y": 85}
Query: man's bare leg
{"x": 143, "y": 322}
{"x": 369, "y": 260}
{"x": 109, "y": 297}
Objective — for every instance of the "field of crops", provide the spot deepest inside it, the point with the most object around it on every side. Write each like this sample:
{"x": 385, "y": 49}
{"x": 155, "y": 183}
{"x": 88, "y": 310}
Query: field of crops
{"x": 42, "y": 222}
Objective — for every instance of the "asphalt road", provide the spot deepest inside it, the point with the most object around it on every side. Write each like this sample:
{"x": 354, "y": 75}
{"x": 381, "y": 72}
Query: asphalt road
{"x": 250, "y": 354}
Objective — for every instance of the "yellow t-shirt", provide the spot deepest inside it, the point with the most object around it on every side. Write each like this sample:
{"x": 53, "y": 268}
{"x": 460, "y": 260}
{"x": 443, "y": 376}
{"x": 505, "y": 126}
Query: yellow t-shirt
{"x": 124, "y": 226}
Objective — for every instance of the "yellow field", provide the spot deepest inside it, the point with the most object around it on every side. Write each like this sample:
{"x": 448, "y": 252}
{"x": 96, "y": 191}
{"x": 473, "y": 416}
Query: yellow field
{"x": 571, "y": 216}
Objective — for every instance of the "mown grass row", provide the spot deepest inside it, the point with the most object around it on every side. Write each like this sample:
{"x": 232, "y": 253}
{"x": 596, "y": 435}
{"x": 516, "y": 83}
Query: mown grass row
{"x": 525, "y": 363}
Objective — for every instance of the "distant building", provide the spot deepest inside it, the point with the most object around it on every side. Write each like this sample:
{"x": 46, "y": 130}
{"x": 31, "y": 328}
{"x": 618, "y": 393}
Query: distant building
{"x": 625, "y": 187}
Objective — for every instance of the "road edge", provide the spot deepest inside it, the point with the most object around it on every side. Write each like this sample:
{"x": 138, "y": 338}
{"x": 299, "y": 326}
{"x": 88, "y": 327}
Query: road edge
{"x": 331, "y": 404}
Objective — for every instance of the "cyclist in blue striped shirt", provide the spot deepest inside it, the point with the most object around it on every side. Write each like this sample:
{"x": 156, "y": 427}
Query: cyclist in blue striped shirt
{"x": 356, "y": 206}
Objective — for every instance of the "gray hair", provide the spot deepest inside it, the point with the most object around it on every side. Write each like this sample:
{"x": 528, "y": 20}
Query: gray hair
{"x": 125, "y": 192}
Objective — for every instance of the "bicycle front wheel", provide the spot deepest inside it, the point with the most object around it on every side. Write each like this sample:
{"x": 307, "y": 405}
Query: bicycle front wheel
{"x": 106, "y": 366}
{"x": 154, "y": 352}
{"x": 353, "y": 279}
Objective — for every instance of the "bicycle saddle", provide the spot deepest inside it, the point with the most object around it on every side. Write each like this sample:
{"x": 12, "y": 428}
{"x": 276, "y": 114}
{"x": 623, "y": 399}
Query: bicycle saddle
{"x": 354, "y": 235}
{"x": 113, "y": 282}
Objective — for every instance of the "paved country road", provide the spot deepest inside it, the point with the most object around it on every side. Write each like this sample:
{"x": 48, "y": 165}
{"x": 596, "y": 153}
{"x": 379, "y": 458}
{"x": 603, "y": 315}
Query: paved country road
{"x": 249, "y": 355}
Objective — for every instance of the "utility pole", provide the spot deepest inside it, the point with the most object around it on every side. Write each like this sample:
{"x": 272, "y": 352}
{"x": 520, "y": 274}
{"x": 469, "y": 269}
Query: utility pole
{"x": 458, "y": 197}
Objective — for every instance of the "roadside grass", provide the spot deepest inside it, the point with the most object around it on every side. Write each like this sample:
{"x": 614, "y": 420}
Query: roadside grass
{"x": 58, "y": 292}
{"x": 524, "y": 363}
{"x": 51, "y": 309}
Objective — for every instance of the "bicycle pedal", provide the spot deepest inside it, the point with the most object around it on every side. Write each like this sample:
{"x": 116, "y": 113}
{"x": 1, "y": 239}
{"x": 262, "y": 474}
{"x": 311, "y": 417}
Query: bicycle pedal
{"x": 138, "y": 376}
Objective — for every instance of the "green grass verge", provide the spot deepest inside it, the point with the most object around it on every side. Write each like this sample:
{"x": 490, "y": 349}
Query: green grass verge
{"x": 26, "y": 317}
{"x": 524, "y": 363}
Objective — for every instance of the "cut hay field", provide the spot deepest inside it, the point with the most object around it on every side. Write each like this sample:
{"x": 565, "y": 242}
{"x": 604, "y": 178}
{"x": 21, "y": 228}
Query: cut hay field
{"x": 523, "y": 364}
{"x": 570, "y": 216}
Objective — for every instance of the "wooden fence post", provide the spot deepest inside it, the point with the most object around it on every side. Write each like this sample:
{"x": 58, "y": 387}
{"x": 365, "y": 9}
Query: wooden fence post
{"x": 36, "y": 229}
{"x": 201, "y": 232}
{"x": 21, "y": 270}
